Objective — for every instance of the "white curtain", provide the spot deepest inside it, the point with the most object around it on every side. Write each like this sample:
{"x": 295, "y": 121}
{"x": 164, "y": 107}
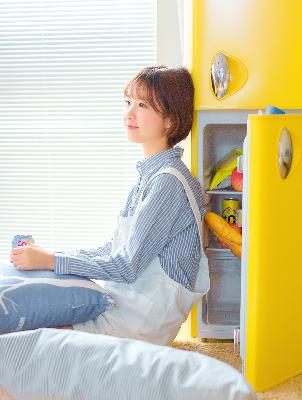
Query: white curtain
{"x": 65, "y": 163}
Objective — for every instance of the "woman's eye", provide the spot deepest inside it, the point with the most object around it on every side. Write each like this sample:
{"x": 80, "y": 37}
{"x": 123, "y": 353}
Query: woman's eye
{"x": 140, "y": 104}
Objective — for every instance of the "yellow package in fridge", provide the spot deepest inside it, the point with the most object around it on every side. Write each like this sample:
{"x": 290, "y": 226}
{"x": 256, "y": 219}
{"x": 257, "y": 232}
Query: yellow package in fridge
{"x": 224, "y": 167}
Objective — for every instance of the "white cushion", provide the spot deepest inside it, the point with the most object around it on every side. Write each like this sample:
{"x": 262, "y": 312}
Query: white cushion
{"x": 84, "y": 366}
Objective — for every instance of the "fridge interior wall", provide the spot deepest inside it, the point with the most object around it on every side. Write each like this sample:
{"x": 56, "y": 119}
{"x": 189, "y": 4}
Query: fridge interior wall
{"x": 219, "y": 314}
{"x": 218, "y": 140}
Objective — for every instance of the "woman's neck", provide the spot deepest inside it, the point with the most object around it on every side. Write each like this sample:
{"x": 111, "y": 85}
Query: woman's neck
{"x": 151, "y": 149}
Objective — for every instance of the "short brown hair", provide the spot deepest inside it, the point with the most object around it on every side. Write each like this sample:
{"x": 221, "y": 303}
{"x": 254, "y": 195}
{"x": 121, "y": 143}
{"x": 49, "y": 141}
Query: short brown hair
{"x": 169, "y": 91}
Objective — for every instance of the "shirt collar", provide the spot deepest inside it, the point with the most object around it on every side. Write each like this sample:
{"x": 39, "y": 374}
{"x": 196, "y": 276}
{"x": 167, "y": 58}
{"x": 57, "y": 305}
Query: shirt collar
{"x": 157, "y": 160}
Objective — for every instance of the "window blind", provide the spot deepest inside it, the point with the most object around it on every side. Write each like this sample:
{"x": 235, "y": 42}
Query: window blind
{"x": 66, "y": 166}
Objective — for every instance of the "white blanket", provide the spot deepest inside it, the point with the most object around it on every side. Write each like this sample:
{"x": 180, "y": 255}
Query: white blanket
{"x": 56, "y": 364}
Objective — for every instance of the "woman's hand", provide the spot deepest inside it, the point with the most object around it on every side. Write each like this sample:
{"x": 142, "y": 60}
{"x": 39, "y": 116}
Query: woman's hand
{"x": 32, "y": 257}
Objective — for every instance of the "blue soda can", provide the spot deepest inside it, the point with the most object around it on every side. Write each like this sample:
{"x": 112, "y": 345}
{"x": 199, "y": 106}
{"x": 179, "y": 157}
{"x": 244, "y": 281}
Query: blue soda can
{"x": 22, "y": 240}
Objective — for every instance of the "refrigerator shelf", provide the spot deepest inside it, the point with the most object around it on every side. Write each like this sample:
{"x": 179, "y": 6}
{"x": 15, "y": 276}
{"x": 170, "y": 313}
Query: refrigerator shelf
{"x": 225, "y": 191}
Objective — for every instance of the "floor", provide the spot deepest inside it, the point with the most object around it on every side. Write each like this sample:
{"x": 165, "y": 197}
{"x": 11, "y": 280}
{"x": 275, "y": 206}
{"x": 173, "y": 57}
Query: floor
{"x": 289, "y": 390}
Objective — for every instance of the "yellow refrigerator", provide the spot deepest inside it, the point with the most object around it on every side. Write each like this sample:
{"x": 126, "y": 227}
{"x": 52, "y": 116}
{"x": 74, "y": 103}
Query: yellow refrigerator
{"x": 246, "y": 55}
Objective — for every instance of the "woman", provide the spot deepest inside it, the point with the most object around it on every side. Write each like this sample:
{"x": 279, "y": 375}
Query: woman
{"x": 153, "y": 265}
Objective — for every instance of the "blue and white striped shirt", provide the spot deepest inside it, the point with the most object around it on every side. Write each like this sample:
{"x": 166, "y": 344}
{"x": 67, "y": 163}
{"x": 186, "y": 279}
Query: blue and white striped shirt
{"x": 164, "y": 226}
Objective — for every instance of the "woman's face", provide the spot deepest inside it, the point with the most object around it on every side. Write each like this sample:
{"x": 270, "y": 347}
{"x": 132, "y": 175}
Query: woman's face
{"x": 144, "y": 124}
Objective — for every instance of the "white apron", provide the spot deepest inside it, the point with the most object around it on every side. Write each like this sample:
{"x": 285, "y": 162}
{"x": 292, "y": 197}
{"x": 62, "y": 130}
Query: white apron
{"x": 154, "y": 306}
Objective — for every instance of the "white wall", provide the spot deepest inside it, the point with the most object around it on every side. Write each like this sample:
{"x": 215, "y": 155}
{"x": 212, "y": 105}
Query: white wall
{"x": 169, "y": 50}
{"x": 174, "y": 43}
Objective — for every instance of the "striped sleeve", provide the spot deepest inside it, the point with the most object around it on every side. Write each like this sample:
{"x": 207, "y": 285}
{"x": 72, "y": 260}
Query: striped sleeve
{"x": 61, "y": 258}
{"x": 150, "y": 231}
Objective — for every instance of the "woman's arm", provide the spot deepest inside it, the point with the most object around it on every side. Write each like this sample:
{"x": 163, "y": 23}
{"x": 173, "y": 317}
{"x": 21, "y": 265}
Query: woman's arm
{"x": 150, "y": 232}
{"x": 36, "y": 257}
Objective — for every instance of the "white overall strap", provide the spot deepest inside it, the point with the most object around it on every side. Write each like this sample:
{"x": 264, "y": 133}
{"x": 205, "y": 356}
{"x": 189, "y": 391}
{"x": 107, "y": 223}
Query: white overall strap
{"x": 190, "y": 195}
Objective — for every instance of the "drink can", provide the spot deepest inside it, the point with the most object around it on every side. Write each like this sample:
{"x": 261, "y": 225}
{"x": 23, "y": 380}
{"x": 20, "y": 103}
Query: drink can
{"x": 22, "y": 240}
{"x": 229, "y": 208}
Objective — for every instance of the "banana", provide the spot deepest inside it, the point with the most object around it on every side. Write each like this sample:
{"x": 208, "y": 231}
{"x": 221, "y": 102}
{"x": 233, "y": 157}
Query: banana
{"x": 230, "y": 237}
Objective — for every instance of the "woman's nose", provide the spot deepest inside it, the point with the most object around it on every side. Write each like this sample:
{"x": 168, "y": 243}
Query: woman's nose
{"x": 130, "y": 112}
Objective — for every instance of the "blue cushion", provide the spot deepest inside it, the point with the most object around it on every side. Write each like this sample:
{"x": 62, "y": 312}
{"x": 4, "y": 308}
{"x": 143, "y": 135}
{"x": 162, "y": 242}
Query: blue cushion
{"x": 36, "y": 299}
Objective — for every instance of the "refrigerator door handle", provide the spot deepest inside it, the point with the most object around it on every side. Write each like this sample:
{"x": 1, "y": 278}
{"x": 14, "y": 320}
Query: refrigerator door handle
{"x": 220, "y": 75}
{"x": 285, "y": 153}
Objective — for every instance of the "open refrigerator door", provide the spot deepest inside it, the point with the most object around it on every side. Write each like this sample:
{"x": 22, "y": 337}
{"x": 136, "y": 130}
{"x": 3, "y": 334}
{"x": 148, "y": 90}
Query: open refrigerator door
{"x": 271, "y": 302}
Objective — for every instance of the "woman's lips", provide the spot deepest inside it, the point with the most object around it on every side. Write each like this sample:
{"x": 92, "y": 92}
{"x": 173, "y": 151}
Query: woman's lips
{"x": 131, "y": 126}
